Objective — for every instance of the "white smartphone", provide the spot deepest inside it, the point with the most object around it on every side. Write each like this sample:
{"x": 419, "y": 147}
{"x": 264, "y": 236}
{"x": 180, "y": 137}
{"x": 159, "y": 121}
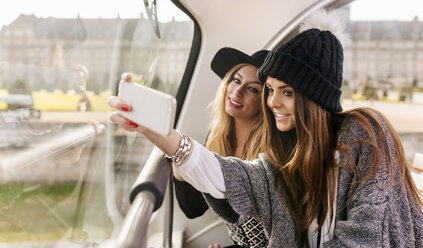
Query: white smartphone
{"x": 151, "y": 108}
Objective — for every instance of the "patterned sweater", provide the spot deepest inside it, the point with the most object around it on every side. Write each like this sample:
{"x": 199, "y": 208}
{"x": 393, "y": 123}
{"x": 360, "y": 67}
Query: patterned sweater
{"x": 378, "y": 215}
{"x": 191, "y": 201}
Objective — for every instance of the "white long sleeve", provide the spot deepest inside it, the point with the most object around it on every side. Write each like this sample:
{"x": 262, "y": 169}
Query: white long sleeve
{"x": 202, "y": 170}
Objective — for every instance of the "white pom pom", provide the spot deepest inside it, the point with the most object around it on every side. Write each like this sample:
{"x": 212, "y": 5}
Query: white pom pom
{"x": 326, "y": 21}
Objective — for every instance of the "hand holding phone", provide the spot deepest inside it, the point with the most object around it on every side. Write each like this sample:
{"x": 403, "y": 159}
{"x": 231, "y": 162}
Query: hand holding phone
{"x": 150, "y": 108}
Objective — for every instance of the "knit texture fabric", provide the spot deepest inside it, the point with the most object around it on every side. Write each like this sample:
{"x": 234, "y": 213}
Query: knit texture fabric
{"x": 376, "y": 216}
{"x": 312, "y": 64}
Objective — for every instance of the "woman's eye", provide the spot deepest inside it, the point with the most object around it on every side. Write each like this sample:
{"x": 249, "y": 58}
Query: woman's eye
{"x": 237, "y": 81}
{"x": 288, "y": 93}
{"x": 269, "y": 90}
{"x": 254, "y": 90}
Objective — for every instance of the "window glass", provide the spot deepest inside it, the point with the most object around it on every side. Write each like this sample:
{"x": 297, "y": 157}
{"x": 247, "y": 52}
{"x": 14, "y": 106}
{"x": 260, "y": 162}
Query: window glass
{"x": 382, "y": 66}
{"x": 66, "y": 173}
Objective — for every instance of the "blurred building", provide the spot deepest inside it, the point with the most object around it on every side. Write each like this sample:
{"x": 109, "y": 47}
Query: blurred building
{"x": 386, "y": 53}
{"x": 382, "y": 54}
{"x": 49, "y": 50}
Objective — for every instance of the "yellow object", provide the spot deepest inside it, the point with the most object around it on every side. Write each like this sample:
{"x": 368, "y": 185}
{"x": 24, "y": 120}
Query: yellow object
{"x": 358, "y": 97}
{"x": 98, "y": 103}
{"x": 3, "y": 104}
{"x": 55, "y": 101}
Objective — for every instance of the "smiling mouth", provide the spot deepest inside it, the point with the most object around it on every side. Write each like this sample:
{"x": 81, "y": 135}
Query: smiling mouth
{"x": 235, "y": 103}
{"x": 281, "y": 116}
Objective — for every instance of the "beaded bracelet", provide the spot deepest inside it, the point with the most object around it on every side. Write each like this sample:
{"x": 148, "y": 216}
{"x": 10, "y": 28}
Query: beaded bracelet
{"x": 183, "y": 151}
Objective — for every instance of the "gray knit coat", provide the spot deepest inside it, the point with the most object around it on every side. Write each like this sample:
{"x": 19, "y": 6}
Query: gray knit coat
{"x": 379, "y": 215}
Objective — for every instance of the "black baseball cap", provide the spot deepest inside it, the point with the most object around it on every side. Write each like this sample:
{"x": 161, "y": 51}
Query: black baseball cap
{"x": 226, "y": 58}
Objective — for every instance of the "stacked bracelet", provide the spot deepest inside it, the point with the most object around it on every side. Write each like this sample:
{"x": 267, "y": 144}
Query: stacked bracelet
{"x": 183, "y": 152}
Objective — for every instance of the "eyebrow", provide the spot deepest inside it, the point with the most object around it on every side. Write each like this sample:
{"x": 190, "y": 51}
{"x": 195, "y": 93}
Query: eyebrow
{"x": 239, "y": 74}
{"x": 280, "y": 87}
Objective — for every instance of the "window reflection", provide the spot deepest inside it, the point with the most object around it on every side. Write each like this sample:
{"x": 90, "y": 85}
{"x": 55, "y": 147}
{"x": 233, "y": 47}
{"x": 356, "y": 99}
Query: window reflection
{"x": 66, "y": 173}
{"x": 383, "y": 69}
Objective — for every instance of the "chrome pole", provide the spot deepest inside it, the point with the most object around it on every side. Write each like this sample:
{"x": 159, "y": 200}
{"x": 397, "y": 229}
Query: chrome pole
{"x": 134, "y": 230}
{"x": 288, "y": 28}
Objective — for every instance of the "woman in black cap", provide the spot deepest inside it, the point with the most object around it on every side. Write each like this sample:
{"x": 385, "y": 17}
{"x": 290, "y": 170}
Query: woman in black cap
{"x": 235, "y": 130}
{"x": 327, "y": 178}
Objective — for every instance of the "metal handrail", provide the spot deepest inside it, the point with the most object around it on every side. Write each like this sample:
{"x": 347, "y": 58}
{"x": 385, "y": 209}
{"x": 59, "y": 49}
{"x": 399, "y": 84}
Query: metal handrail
{"x": 146, "y": 197}
{"x": 290, "y": 26}
{"x": 50, "y": 147}
{"x": 134, "y": 230}
{"x": 168, "y": 216}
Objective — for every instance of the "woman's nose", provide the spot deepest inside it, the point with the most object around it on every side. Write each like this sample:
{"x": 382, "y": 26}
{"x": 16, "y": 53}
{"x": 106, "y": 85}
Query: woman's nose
{"x": 239, "y": 89}
{"x": 272, "y": 101}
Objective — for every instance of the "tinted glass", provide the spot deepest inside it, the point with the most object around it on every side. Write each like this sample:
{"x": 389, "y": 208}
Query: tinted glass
{"x": 384, "y": 64}
{"x": 66, "y": 173}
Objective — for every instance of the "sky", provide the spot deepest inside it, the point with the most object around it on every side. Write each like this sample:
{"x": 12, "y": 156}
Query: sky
{"x": 360, "y": 9}
{"x": 85, "y": 9}
{"x": 401, "y": 10}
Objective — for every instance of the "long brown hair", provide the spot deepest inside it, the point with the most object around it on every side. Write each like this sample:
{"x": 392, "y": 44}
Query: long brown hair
{"x": 221, "y": 138}
{"x": 375, "y": 124}
{"x": 305, "y": 171}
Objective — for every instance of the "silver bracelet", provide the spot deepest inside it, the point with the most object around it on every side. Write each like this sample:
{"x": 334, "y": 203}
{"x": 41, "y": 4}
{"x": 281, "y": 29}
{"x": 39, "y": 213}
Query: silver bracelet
{"x": 183, "y": 151}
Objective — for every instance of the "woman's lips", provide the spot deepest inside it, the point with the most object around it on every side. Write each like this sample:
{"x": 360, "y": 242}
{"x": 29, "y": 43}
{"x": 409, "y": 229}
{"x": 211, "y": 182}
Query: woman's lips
{"x": 279, "y": 116}
{"x": 234, "y": 104}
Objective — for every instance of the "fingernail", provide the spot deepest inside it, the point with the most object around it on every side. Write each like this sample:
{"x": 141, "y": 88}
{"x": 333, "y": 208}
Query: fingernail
{"x": 126, "y": 77}
{"x": 125, "y": 107}
{"x": 133, "y": 124}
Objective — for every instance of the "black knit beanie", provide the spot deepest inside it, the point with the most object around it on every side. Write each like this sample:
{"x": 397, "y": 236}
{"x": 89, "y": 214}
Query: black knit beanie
{"x": 311, "y": 63}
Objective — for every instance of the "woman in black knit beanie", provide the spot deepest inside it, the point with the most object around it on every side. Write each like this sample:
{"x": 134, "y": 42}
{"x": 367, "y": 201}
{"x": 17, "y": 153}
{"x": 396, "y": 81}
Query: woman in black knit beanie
{"x": 327, "y": 178}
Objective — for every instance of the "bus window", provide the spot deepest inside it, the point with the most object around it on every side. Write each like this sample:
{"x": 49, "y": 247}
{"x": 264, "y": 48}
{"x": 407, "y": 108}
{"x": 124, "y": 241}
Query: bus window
{"x": 383, "y": 65}
{"x": 66, "y": 173}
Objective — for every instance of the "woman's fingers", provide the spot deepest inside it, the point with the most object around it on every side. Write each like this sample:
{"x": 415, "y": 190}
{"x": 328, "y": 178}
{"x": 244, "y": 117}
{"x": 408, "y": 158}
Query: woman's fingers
{"x": 116, "y": 118}
{"x": 126, "y": 77}
{"x": 123, "y": 122}
{"x": 116, "y": 103}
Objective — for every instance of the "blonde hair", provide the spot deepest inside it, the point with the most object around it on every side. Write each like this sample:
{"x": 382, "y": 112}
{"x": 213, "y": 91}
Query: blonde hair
{"x": 221, "y": 138}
